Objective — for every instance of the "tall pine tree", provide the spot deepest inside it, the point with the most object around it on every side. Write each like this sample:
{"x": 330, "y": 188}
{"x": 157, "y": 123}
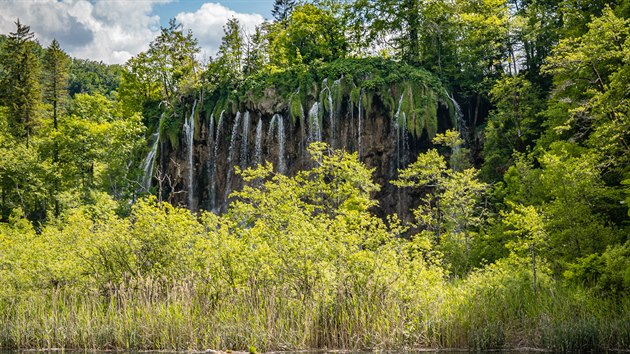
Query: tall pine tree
{"x": 55, "y": 77}
{"x": 282, "y": 10}
{"x": 21, "y": 82}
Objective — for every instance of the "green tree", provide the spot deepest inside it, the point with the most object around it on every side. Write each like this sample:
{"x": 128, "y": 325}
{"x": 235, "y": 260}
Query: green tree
{"x": 534, "y": 31}
{"x": 231, "y": 51}
{"x": 55, "y": 79}
{"x": 512, "y": 126}
{"x": 312, "y": 34}
{"x": 281, "y": 10}
{"x": 56, "y": 76}
{"x": 168, "y": 67}
{"x": 21, "y": 82}
{"x": 97, "y": 145}
{"x": 381, "y": 21}
{"x": 255, "y": 52}
{"x": 91, "y": 77}
{"x": 569, "y": 192}
{"x": 529, "y": 226}
{"x": 589, "y": 104}
{"x": 450, "y": 211}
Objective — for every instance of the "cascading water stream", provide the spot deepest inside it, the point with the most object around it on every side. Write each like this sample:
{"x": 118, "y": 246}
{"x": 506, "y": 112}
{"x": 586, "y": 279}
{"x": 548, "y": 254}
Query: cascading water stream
{"x": 278, "y": 124}
{"x": 149, "y": 161}
{"x": 231, "y": 153}
{"x": 258, "y": 147}
{"x": 404, "y": 143}
{"x": 282, "y": 166}
{"x": 396, "y": 127}
{"x": 189, "y": 131}
{"x": 360, "y": 123}
{"x": 458, "y": 112}
{"x": 460, "y": 125}
{"x": 314, "y": 131}
{"x": 399, "y": 123}
{"x": 244, "y": 141}
{"x": 213, "y": 177}
{"x": 331, "y": 115}
{"x": 210, "y": 163}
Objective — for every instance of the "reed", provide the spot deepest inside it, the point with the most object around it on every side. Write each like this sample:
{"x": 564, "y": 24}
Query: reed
{"x": 151, "y": 314}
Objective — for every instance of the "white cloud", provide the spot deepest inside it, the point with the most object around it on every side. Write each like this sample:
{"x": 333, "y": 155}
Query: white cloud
{"x": 113, "y": 30}
{"x": 207, "y": 24}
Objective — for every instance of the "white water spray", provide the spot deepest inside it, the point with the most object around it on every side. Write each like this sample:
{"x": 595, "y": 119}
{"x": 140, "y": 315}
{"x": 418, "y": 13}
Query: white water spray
{"x": 314, "y": 130}
{"x": 258, "y": 147}
{"x": 149, "y": 162}
{"x": 244, "y": 141}
{"x": 278, "y": 124}
{"x": 231, "y": 153}
{"x": 189, "y": 131}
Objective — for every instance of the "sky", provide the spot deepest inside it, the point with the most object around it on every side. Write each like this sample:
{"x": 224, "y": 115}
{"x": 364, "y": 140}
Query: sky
{"x": 112, "y": 31}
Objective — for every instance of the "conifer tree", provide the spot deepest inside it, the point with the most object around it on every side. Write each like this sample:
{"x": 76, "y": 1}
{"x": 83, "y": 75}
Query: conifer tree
{"x": 56, "y": 76}
{"x": 232, "y": 48}
{"x": 21, "y": 82}
{"x": 282, "y": 10}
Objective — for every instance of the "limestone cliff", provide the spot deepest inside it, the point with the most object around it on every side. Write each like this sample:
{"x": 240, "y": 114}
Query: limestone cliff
{"x": 385, "y": 112}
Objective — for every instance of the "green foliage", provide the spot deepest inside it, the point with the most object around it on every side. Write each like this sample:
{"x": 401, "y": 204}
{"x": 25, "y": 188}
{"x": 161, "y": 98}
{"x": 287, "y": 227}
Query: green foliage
{"x": 372, "y": 78}
{"x": 607, "y": 273}
{"x": 571, "y": 195}
{"x": 450, "y": 212}
{"x": 590, "y": 105}
{"x": 512, "y": 126}
{"x": 539, "y": 259}
{"x": 20, "y": 83}
{"x": 165, "y": 72}
{"x": 91, "y": 77}
{"x": 311, "y": 34}
{"x": 231, "y": 51}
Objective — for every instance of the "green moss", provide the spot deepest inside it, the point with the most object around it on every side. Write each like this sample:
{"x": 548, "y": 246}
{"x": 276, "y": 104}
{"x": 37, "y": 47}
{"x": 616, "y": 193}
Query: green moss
{"x": 355, "y": 94}
{"x": 431, "y": 124}
{"x": 338, "y": 90}
{"x": 296, "y": 110}
{"x": 170, "y": 128}
{"x": 368, "y": 101}
{"x": 389, "y": 103}
{"x": 379, "y": 81}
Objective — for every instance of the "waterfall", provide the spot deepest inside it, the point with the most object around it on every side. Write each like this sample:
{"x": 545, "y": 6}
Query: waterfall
{"x": 360, "y": 122}
{"x": 460, "y": 124}
{"x": 149, "y": 161}
{"x": 331, "y": 115}
{"x": 396, "y": 127}
{"x": 404, "y": 144}
{"x": 258, "y": 148}
{"x": 399, "y": 123}
{"x": 458, "y": 112}
{"x": 303, "y": 138}
{"x": 282, "y": 167}
{"x": 213, "y": 177}
{"x": 278, "y": 124}
{"x": 189, "y": 131}
{"x": 210, "y": 163}
{"x": 314, "y": 130}
{"x": 231, "y": 152}
{"x": 244, "y": 141}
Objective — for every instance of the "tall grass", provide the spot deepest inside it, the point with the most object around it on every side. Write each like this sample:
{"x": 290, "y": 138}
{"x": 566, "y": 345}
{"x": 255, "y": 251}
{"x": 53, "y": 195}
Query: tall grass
{"x": 155, "y": 314}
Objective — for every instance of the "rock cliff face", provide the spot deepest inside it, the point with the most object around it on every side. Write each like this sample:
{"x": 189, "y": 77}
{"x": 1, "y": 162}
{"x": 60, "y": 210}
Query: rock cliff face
{"x": 387, "y": 127}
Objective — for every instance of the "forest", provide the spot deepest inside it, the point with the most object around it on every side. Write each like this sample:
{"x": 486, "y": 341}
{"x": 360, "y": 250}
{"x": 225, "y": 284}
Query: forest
{"x": 398, "y": 175}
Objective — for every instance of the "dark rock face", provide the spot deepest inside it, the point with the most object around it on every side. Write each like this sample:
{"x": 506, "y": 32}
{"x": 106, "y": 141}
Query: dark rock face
{"x": 257, "y": 134}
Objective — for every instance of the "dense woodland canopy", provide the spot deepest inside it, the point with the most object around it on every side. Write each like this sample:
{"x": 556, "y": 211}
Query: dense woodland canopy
{"x": 523, "y": 209}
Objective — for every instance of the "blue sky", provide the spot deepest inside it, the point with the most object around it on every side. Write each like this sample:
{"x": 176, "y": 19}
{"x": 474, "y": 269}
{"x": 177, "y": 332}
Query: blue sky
{"x": 113, "y": 31}
{"x": 171, "y": 9}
